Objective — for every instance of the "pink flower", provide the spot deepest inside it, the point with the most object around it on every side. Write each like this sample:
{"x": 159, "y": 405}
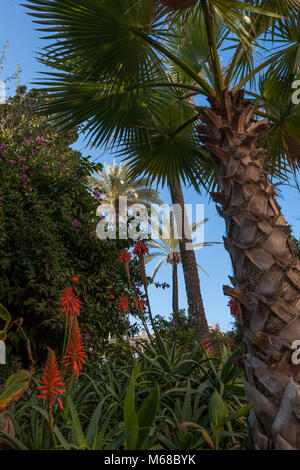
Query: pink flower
{"x": 76, "y": 223}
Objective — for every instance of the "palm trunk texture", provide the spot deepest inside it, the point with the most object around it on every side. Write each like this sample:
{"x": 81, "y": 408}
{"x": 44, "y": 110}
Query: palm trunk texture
{"x": 266, "y": 278}
{"x": 190, "y": 270}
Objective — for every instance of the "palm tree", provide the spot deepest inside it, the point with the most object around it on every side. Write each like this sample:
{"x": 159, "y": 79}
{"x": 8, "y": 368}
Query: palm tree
{"x": 136, "y": 63}
{"x": 116, "y": 182}
{"x": 168, "y": 252}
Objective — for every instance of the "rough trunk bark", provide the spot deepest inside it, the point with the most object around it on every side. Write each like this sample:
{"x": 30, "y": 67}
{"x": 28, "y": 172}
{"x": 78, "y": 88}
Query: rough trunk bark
{"x": 266, "y": 278}
{"x": 175, "y": 287}
{"x": 117, "y": 214}
{"x": 190, "y": 270}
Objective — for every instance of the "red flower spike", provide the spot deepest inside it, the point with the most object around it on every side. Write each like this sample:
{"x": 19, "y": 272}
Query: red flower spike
{"x": 139, "y": 304}
{"x": 123, "y": 305}
{"x": 235, "y": 308}
{"x": 140, "y": 249}
{"x": 75, "y": 357}
{"x": 206, "y": 345}
{"x": 125, "y": 256}
{"x": 51, "y": 383}
{"x": 70, "y": 303}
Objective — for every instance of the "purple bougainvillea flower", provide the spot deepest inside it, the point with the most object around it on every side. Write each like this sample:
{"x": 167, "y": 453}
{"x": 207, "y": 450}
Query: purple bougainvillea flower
{"x": 1, "y": 198}
{"x": 87, "y": 336}
{"x": 12, "y": 161}
{"x": 76, "y": 223}
{"x": 36, "y": 206}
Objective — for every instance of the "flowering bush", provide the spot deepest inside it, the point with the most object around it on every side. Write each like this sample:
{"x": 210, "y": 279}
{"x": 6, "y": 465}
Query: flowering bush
{"x": 47, "y": 233}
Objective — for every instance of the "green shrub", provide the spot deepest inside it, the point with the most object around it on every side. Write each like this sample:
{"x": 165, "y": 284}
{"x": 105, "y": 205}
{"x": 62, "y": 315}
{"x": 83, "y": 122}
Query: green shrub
{"x": 47, "y": 225}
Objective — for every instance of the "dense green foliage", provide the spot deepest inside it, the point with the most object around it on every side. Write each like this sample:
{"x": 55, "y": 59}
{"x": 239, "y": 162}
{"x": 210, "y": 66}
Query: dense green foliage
{"x": 47, "y": 232}
{"x": 167, "y": 398}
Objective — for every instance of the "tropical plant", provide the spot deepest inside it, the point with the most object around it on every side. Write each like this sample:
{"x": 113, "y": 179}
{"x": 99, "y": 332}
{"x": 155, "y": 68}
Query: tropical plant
{"x": 115, "y": 182}
{"x": 168, "y": 251}
{"x": 159, "y": 402}
{"x": 136, "y": 63}
{"x": 47, "y": 234}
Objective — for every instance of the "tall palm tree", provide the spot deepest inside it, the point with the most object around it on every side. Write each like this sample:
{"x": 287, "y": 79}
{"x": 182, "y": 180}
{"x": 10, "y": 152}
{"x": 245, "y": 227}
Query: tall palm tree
{"x": 136, "y": 63}
{"x": 116, "y": 182}
{"x": 168, "y": 251}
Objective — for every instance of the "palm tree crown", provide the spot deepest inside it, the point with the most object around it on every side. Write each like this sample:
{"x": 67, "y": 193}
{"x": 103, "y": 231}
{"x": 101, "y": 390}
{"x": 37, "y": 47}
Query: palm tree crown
{"x": 167, "y": 249}
{"x": 116, "y": 182}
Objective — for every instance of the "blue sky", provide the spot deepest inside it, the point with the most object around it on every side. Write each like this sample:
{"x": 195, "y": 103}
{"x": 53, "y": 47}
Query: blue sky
{"x": 23, "y": 44}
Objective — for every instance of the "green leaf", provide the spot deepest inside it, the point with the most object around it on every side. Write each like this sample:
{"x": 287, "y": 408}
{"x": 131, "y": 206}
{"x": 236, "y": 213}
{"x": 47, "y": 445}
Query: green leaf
{"x": 192, "y": 427}
{"x": 5, "y": 315}
{"x": 76, "y": 424}
{"x": 93, "y": 426}
{"x": 241, "y": 412}
{"x": 14, "y": 388}
{"x": 131, "y": 422}
{"x": 146, "y": 415}
{"x": 217, "y": 409}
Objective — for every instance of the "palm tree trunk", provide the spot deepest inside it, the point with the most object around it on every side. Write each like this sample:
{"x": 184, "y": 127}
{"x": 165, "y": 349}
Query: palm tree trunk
{"x": 189, "y": 265}
{"x": 117, "y": 214}
{"x": 266, "y": 278}
{"x": 175, "y": 287}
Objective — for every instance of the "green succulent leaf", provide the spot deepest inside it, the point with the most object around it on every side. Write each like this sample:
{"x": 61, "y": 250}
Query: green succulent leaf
{"x": 14, "y": 388}
{"x": 217, "y": 409}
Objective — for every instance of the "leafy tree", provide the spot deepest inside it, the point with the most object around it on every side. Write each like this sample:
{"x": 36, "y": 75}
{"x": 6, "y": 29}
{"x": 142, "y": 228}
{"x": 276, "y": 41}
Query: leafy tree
{"x": 47, "y": 232}
{"x": 136, "y": 64}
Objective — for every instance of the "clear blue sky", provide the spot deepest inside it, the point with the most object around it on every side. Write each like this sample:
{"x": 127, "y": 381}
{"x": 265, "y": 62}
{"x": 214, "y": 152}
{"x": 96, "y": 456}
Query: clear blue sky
{"x": 24, "y": 42}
